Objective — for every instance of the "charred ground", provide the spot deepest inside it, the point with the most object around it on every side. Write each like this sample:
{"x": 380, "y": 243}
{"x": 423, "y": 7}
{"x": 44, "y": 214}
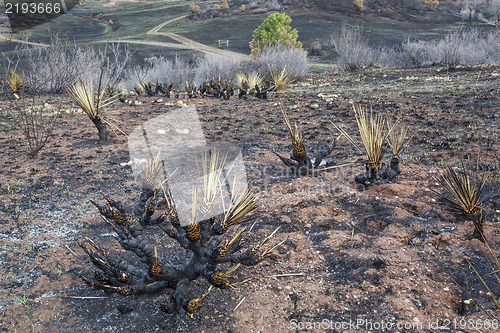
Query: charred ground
{"x": 388, "y": 253}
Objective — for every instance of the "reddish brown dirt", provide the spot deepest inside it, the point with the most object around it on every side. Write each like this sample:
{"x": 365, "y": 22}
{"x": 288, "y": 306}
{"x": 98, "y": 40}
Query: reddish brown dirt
{"x": 392, "y": 254}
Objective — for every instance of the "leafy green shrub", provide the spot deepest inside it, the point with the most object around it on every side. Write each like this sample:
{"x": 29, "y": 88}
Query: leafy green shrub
{"x": 275, "y": 30}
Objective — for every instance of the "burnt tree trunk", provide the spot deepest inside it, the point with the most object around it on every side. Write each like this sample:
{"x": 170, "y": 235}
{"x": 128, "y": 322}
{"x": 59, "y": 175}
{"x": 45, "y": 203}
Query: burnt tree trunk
{"x": 101, "y": 129}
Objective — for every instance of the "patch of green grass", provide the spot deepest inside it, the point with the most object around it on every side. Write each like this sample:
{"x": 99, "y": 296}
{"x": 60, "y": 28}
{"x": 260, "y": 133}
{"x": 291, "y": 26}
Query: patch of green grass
{"x": 23, "y": 300}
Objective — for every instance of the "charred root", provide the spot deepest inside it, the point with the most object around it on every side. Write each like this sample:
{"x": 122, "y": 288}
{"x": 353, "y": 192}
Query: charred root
{"x": 384, "y": 174}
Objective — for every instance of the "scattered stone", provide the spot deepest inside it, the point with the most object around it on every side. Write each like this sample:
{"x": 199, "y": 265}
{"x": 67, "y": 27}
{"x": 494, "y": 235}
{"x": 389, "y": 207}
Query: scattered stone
{"x": 467, "y": 306}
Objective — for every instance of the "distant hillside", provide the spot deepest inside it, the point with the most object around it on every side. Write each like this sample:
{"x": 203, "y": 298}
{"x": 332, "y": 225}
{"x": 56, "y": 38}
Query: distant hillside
{"x": 169, "y": 28}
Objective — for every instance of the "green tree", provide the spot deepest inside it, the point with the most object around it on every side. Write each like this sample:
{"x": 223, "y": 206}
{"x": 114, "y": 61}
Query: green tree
{"x": 275, "y": 30}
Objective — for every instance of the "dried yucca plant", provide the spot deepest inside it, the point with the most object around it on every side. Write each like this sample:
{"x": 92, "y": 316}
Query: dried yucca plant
{"x": 15, "y": 81}
{"x": 205, "y": 250}
{"x": 151, "y": 171}
{"x": 242, "y": 84}
{"x": 251, "y": 84}
{"x": 464, "y": 193}
{"x": 242, "y": 81}
{"x": 373, "y": 132}
{"x": 255, "y": 80}
{"x": 92, "y": 103}
{"x": 280, "y": 80}
{"x": 397, "y": 134}
{"x": 212, "y": 179}
{"x": 398, "y": 131}
{"x": 299, "y": 162}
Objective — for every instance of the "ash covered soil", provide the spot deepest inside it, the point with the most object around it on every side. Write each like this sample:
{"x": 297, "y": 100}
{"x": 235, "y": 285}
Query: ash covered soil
{"x": 392, "y": 253}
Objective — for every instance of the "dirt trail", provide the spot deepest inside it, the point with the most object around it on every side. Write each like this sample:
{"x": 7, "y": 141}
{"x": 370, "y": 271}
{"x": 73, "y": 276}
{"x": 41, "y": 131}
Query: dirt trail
{"x": 203, "y": 47}
{"x": 10, "y": 39}
{"x": 191, "y": 43}
{"x": 184, "y": 42}
{"x": 146, "y": 42}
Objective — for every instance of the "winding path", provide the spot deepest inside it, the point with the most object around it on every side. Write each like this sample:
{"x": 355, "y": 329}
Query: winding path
{"x": 191, "y": 44}
{"x": 182, "y": 41}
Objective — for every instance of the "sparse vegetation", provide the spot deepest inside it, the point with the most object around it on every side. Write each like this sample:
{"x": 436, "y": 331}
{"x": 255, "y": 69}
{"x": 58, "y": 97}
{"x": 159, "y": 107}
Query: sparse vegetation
{"x": 464, "y": 47}
{"x": 279, "y": 58}
{"x": 158, "y": 70}
{"x": 345, "y": 250}
{"x": 352, "y": 49}
{"x": 38, "y": 122}
{"x": 15, "y": 80}
{"x": 50, "y": 69}
{"x": 215, "y": 66}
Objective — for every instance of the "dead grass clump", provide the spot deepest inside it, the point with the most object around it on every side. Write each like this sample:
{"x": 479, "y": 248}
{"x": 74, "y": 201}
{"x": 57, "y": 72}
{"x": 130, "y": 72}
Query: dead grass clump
{"x": 15, "y": 81}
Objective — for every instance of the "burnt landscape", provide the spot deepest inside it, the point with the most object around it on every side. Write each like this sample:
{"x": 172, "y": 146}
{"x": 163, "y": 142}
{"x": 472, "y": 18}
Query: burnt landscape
{"x": 361, "y": 164}
{"x": 392, "y": 252}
